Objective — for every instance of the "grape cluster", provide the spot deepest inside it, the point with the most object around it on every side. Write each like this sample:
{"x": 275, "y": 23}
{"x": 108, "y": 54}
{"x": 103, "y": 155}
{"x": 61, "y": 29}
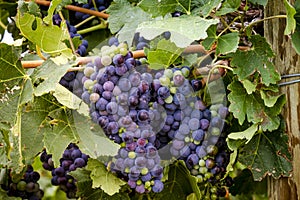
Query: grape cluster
{"x": 72, "y": 159}
{"x": 100, "y": 5}
{"x": 27, "y": 187}
{"x": 73, "y": 33}
{"x": 73, "y": 82}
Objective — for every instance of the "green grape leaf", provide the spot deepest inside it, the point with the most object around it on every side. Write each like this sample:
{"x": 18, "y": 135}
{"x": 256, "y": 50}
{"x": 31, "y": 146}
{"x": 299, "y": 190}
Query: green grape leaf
{"x": 184, "y": 30}
{"x": 267, "y": 153}
{"x": 51, "y": 9}
{"x": 290, "y": 20}
{"x": 246, "y": 134}
{"x": 296, "y": 41}
{"x": 104, "y": 179}
{"x": 124, "y": 19}
{"x": 34, "y": 9}
{"x": 269, "y": 99}
{"x": 228, "y": 43}
{"x": 64, "y": 126}
{"x": 211, "y": 37}
{"x": 48, "y": 37}
{"x": 260, "y": 2}
{"x": 249, "y": 86}
{"x": 256, "y": 59}
{"x": 85, "y": 190}
{"x": 10, "y": 66}
{"x": 208, "y": 6}
{"x": 67, "y": 98}
{"x": 180, "y": 183}
{"x": 228, "y": 6}
{"x": 163, "y": 7}
{"x": 47, "y": 76}
{"x": 244, "y": 184}
{"x": 252, "y": 106}
{"x": 164, "y": 55}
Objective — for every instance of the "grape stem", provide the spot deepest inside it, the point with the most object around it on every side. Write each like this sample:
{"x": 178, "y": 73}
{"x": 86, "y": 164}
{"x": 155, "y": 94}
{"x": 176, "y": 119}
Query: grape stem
{"x": 102, "y": 25}
{"x": 2, "y": 25}
{"x": 213, "y": 69}
{"x": 69, "y": 38}
{"x": 84, "y": 21}
{"x": 76, "y": 9}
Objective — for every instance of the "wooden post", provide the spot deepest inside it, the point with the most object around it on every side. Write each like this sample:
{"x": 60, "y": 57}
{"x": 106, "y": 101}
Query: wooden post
{"x": 286, "y": 62}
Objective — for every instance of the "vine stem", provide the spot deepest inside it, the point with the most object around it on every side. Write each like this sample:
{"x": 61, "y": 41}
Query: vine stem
{"x": 102, "y": 25}
{"x": 76, "y": 9}
{"x": 84, "y": 21}
{"x": 69, "y": 38}
{"x": 136, "y": 54}
{"x": 265, "y": 19}
{"x": 3, "y": 25}
{"x": 213, "y": 69}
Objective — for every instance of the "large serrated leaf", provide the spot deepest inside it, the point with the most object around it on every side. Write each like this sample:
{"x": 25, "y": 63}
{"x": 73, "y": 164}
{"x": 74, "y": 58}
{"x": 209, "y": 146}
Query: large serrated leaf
{"x": 47, "y": 76}
{"x": 184, "y": 30}
{"x": 290, "y": 20}
{"x": 124, "y": 19}
{"x": 229, "y": 6}
{"x": 48, "y": 37}
{"x": 252, "y": 106}
{"x": 164, "y": 55}
{"x": 208, "y": 6}
{"x": 246, "y": 134}
{"x": 65, "y": 126}
{"x": 267, "y": 154}
{"x": 104, "y": 179}
{"x": 228, "y": 43}
{"x": 256, "y": 59}
{"x": 180, "y": 183}
{"x": 163, "y": 7}
{"x": 10, "y": 65}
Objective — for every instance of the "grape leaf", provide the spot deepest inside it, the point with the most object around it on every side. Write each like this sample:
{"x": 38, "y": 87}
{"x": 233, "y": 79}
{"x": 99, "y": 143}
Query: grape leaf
{"x": 124, "y": 19}
{"x": 228, "y": 6}
{"x": 208, "y": 6}
{"x": 48, "y": 37}
{"x": 184, "y": 30}
{"x": 267, "y": 153}
{"x": 10, "y": 66}
{"x": 246, "y": 134}
{"x": 256, "y": 59}
{"x": 228, "y": 43}
{"x": 244, "y": 105}
{"x": 164, "y": 55}
{"x": 249, "y": 86}
{"x": 51, "y": 9}
{"x": 290, "y": 20}
{"x": 64, "y": 126}
{"x": 269, "y": 98}
{"x": 260, "y": 2}
{"x": 67, "y": 98}
{"x": 211, "y": 37}
{"x": 108, "y": 182}
{"x": 47, "y": 76}
{"x": 180, "y": 183}
{"x": 85, "y": 190}
{"x": 163, "y": 7}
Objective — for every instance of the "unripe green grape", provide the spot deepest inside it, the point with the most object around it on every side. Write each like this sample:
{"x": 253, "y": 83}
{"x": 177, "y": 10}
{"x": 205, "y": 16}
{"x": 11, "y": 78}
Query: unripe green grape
{"x": 164, "y": 80}
{"x": 201, "y": 163}
{"x": 215, "y": 131}
{"x": 88, "y": 84}
{"x": 169, "y": 99}
{"x": 168, "y": 73}
{"x": 106, "y": 60}
{"x": 88, "y": 71}
{"x": 94, "y": 97}
{"x": 185, "y": 72}
{"x": 21, "y": 186}
{"x": 144, "y": 171}
{"x": 131, "y": 155}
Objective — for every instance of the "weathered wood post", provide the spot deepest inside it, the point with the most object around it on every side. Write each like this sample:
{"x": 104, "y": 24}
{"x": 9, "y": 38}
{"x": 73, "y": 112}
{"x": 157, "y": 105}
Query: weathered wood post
{"x": 286, "y": 62}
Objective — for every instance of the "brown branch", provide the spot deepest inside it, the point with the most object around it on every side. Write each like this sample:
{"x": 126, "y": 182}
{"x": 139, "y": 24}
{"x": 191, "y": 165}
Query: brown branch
{"x": 76, "y": 9}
